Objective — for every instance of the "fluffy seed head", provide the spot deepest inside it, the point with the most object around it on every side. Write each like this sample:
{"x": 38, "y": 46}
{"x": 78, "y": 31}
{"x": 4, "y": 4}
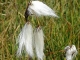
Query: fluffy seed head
{"x": 39, "y": 42}
{"x": 25, "y": 40}
{"x": 71, "y": 52}
{"x": 39, "y": 9}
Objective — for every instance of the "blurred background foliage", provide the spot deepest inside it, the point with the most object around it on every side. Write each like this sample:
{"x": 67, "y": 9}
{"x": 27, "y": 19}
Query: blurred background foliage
{"x": 59, "y": 32}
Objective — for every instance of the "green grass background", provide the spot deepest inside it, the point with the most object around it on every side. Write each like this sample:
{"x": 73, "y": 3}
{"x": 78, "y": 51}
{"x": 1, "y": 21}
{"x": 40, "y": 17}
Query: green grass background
{"x": 59, "y": 32}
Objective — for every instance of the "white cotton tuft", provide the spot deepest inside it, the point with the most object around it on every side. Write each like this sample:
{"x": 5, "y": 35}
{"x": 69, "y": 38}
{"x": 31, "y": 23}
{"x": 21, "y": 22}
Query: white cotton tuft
{"x": 39, "y": 43}
{"x": 71, "y": 52}
{"x": 74, "y": 50}
{"x": 25, "y": 40}
{"x": 40, "y": 9}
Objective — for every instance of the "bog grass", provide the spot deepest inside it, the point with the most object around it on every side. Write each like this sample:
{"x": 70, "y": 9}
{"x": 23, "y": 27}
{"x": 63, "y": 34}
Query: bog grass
{"x": 59, "y": 32}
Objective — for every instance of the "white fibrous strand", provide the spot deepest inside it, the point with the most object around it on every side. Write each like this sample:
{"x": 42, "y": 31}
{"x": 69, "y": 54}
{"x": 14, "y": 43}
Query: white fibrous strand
{"x": 71, "y": 52}
{"x": 38, "y": 8}
{"x": 39, "y": 43}
{"x": 25, "y": 40}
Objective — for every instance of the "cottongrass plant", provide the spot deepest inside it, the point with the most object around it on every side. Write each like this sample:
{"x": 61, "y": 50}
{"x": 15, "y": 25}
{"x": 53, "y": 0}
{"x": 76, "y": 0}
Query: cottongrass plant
{"x": 39, "y": 43}
{"x": 25, "y": 40}
{"x": 71, "y": 52}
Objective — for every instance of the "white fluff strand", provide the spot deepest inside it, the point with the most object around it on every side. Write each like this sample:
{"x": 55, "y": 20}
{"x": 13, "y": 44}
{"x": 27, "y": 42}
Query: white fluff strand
{"x": 25, "y": 40}
{"x": 71, "y": 52}
{"x": 39, "y": 43}
{"x": 40, "y": 9}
